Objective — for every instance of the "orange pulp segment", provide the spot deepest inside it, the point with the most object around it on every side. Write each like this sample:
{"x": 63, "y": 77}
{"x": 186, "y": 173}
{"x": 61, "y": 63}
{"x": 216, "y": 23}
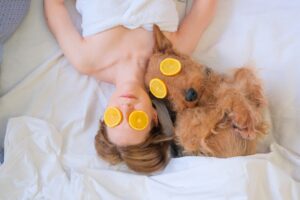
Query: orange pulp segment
{"x": 112, "y": 116}
{"x": 170, "y": 67}
{"x": 138, "y": 120}
{"x": 158, "y": 88}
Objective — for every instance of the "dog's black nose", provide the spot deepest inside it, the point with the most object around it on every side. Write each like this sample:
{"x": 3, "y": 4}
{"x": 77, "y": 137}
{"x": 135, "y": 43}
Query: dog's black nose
{"x": 191, "y": 95}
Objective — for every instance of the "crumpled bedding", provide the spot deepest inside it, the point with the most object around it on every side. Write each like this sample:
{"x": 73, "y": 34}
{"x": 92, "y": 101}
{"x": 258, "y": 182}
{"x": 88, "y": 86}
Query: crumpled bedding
{"x": 43, "y": 168}
{"x": 51, "y": 119}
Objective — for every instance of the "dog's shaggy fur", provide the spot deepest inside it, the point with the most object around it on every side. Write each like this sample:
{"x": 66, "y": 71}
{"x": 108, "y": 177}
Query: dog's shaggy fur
{"x": 216, "y": 115}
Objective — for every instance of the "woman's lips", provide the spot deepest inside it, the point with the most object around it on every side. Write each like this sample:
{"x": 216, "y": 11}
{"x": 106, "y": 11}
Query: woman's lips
{"x": 128, "y": 96}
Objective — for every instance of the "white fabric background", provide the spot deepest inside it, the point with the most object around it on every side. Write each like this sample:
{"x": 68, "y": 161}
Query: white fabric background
{"x": 49, "y": 114}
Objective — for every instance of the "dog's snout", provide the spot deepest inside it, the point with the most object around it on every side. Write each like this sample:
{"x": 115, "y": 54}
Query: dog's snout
{"x": 191, "y": 95}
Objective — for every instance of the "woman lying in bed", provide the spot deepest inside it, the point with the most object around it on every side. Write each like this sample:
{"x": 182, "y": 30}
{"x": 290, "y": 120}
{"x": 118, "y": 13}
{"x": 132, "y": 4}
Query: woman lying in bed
{"x": 114, "y": 47}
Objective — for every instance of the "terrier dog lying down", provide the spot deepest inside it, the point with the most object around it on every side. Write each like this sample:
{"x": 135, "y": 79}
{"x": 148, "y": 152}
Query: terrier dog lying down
{"x": 216, "y": 114}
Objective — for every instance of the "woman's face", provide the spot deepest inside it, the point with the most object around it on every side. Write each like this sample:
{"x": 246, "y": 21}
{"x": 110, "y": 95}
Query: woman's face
{"x": 129, "y": 98}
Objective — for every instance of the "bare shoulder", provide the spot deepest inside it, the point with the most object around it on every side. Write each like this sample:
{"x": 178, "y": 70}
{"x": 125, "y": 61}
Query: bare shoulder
{"x": 102, "y": 50}
{"x": 112, "y": 47}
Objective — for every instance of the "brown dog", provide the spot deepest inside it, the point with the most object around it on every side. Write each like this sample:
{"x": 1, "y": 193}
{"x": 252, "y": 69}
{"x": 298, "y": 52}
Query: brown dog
{"x": 216, "y": 115}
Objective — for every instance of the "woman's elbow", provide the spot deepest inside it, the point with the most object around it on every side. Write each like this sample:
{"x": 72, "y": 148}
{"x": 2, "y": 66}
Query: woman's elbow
{"x": 181, "y": 44}
{"x": 83, "y": 66}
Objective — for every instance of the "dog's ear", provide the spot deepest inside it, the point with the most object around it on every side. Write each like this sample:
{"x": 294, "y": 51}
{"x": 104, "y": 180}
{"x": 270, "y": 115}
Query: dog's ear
{"x": 162, "y": 44}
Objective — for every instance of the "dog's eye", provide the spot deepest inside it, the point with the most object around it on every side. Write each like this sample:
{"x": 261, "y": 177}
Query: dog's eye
{"x": 191, "y": 95}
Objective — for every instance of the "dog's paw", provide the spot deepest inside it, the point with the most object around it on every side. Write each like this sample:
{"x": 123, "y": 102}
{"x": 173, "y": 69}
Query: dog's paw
{"x": 244, "y": 132}
{"x": 243, "y": 124}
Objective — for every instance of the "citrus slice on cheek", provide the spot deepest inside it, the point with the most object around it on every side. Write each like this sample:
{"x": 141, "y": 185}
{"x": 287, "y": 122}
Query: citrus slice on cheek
{"x": 158, "y": 88}
{"x": 170, "y": 67}
{"x": 138, "y": 120}
{"x": 112, "y": 117}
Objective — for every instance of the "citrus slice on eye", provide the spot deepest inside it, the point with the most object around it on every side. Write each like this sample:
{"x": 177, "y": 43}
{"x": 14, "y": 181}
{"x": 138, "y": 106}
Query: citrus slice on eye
{"x": 112, "y": 116}
{"x": 138, "y": 120}
{"x": 158, "y": 88}
{"x": 170, "y": 67}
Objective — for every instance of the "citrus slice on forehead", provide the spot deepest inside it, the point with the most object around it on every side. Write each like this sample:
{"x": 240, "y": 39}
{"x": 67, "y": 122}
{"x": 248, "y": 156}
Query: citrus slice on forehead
{"x": 170, "y": 67}
{"x": 158, "y": 88}
{"x": 138, "y": 120}
{"x": 112, "y": 117}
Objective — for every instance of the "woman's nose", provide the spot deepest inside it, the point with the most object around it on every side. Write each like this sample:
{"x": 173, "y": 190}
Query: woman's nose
{"x": 127, "y": 109}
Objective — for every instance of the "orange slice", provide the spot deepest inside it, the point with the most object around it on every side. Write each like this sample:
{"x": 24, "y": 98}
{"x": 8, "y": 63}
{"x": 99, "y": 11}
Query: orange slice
{"x": 170, "y": 67}
{"x": 112, "y": 116}
{"x": 138, "y": 120}
{"x": 158, "y": 88}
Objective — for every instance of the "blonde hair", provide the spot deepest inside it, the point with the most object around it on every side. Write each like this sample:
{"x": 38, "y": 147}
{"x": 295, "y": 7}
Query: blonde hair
{"x": 147, "y": 157}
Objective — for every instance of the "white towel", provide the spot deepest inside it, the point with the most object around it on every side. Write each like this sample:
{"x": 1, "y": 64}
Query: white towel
{"x": 99, "y": 15}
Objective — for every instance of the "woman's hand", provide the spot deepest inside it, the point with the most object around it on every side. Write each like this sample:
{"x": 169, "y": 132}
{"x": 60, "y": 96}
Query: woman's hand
{"x": 193, "y": 25}
{"x": 69, "y": 39}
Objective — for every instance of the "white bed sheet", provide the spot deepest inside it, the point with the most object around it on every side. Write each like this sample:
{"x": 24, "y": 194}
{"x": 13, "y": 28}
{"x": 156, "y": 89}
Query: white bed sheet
{"x": 49, "y": 150}
{"x": 45, "y": 169}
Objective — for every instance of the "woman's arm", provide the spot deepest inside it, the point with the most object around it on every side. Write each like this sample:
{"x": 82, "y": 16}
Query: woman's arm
{"x": 193, "y": 25}
{"x": 69, "y": 39}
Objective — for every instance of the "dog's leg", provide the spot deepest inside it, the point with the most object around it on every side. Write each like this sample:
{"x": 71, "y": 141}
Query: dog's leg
{"x": 247, "y": 81}
{"x": 240, "y": 112}
{"x": 193, "y": 126}
{"x": 243, "y": 119}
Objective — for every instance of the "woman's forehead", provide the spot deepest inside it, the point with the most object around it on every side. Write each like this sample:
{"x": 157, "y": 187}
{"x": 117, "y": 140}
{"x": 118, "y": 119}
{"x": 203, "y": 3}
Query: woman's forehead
{"x": 126, "y": 136}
